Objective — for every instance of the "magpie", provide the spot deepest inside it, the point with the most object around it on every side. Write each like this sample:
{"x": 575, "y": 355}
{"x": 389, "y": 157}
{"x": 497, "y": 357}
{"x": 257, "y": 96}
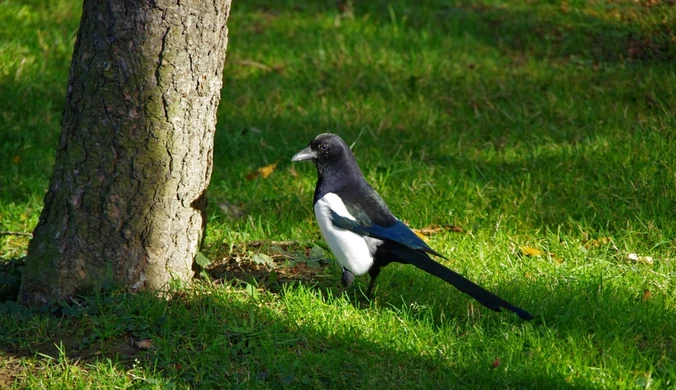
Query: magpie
{"x": 362, "y": 232}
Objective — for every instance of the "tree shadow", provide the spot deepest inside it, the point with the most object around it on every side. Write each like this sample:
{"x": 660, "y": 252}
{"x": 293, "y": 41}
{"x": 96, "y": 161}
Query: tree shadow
{"x": 486, "y": 111}
{"x": 595, "y": 33}
{"x": 206, "y": 339}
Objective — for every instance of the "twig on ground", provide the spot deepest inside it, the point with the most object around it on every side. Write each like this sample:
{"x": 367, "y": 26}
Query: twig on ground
{"x": 253, "y": 64}
{"x": 10, "y": 233}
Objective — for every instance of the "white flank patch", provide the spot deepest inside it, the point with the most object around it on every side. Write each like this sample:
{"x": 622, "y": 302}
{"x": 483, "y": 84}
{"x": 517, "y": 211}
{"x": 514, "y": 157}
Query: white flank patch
{"x": 350, "y": 248}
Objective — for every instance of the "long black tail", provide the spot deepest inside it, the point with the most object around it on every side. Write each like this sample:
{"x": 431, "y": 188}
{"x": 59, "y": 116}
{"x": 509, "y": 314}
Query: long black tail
{"x": 486, "y": 298}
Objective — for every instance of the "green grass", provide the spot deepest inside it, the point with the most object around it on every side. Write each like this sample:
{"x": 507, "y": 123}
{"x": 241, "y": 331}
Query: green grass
{"x": 540, "y": 124}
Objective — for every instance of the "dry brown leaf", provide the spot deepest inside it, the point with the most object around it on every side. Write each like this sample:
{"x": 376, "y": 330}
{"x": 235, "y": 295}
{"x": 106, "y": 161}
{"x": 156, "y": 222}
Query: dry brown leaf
{"x": 145, "y": 344}
{"x": 16, "y": 160}
{"x": 555, "y": 258}
{"x": 301, "y": 270}
{"x": 496, "y": 363}
{"x": 267, "y": 170}
{"x": 646, "y": 295}
{"x": 434, "y": 229}
{"x": 598, "y": 242}
{"x": 264, "y": 172}
{"x": 528, "y": 251}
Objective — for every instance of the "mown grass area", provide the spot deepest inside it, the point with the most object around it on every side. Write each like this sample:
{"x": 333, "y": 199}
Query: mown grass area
{"x": 546, "y": 125}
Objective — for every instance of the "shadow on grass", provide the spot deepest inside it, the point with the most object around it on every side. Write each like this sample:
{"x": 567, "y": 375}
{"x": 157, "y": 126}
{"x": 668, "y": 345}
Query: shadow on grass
{"x": 565, "y": 112}
{"x": 225, "y": 336}
{"x": 529, "y": 33}
{"x": 212, "y": 338}
{"x": 596, "y": 178}
{"x": 598, "y": 33}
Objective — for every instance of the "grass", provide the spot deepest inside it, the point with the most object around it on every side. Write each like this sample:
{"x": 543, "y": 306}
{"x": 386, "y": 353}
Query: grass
{"x": 547, "y": 125}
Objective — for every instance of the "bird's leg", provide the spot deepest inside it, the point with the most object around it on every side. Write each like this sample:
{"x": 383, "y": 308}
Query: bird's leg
{"x": 373, "y": 273}
{"x": 346, "y": 280}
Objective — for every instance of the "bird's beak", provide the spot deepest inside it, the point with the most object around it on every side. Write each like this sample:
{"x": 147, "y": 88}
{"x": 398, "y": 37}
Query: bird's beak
{"x": 305, "y": 154}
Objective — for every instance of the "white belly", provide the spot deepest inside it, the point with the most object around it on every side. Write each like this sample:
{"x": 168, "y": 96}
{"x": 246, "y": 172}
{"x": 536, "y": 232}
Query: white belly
{"x": 350, "y": 249}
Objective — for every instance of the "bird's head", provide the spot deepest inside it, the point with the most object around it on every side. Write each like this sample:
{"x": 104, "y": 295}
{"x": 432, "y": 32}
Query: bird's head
{"x": 325, "y": 149}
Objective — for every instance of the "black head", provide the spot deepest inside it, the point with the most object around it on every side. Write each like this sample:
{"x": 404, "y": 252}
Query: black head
{"x": 326, "y": 148}
{"x": 332, "y": 157}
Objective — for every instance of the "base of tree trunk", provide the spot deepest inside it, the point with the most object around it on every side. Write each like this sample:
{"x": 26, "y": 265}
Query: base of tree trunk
{"x": 126, "y": 201}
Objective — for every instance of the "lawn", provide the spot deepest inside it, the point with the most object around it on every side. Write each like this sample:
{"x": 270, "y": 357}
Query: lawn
{"x": 535, "y": 140}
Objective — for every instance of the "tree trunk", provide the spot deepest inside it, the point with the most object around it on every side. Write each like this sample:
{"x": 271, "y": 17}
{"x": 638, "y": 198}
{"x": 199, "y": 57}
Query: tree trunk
{"x": 126, "y": 200}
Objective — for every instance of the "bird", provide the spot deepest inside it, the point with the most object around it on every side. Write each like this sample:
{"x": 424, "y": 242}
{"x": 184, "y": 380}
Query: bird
{"x": 362, "y": 232}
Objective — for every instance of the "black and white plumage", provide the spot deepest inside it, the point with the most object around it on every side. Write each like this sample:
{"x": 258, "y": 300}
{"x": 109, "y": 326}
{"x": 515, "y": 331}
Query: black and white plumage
{"x": 362, "y": 232}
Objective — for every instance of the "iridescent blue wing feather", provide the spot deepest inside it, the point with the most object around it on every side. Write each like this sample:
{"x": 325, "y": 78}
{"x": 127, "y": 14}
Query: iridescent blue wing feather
{"x": 397, "y": 232}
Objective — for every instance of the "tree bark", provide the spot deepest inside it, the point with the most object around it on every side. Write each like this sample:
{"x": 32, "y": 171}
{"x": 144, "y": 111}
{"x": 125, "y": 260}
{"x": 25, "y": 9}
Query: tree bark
{"x": 126, "y": 200}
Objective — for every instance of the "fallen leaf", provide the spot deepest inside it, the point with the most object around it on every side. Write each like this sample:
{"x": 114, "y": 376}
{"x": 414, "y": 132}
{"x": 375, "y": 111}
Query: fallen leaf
{"x": 598, "y": 242}
{"x": 528, "y": 251}
{"x": 496, "y": 363}
{"x": 267, "y": 170}
{"x": 555, "y": 258}
{"x": 262, "y": 259}
{"x": 640, "y": 259}
{"x": 16, "y": 160}
{"x": 264, "y": 172}
{"x": 145, "y": 344}
{"x": 646, "y": 295}
{"x": 434, "y": 229}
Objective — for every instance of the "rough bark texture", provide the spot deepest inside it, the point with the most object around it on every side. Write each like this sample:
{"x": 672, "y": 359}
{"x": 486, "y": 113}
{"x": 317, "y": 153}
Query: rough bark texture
{"x": 126, "y": 200}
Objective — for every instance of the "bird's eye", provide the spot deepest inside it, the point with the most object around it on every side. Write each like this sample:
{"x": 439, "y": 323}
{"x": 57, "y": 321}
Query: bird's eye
{"x": 323, "y": 147}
